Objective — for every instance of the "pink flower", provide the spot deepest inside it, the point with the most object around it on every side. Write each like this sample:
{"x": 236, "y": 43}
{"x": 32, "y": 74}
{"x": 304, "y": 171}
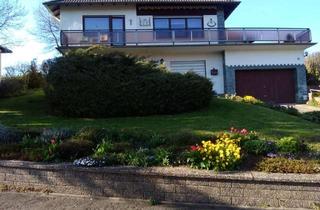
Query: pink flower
{"x": 195, "y": 148}
{"x": 244, "y": 131}
{"x": 53, "y": 141}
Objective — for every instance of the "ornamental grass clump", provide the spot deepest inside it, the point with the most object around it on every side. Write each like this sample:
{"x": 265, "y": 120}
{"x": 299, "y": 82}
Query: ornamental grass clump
{"x": 223, "y": 155}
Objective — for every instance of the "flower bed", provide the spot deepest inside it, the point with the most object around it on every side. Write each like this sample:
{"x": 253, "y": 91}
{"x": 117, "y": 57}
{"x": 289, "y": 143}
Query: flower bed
{"x": 236, "y": 149}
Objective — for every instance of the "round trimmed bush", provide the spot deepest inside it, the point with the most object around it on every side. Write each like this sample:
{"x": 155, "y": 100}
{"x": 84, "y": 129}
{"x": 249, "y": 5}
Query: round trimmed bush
{"x": 96, "y": 83}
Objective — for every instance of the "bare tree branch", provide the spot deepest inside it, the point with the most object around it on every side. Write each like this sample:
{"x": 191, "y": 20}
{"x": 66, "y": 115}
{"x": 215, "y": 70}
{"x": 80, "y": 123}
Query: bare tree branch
{"x": 19, "y": 69}
{"x": 11, "y": 13}
{"x": 48, "y": 28}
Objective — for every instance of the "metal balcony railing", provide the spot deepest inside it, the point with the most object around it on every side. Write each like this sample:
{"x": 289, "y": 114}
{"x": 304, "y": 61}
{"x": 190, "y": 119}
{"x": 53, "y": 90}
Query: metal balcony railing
{"x": 186, "y": 37}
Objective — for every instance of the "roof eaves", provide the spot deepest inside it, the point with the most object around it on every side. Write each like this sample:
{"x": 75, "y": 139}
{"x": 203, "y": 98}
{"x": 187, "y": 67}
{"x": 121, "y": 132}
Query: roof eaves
{"x": 4, "y": 50}
{"x": 54, "y": 5}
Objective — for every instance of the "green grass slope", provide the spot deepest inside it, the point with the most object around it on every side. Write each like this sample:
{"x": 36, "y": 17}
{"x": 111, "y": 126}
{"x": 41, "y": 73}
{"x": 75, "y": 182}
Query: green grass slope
{"x": 29, "y": 111}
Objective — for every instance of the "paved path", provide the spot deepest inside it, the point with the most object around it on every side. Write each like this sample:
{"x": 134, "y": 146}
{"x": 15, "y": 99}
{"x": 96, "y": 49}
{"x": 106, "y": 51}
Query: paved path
{"x": 38, "y": 201}
{"x": 303, "y": 108}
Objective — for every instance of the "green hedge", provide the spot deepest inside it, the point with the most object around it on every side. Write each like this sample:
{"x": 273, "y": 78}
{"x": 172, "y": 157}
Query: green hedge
{"x": 12, "y": 86}
{"x": 96, "y": 83}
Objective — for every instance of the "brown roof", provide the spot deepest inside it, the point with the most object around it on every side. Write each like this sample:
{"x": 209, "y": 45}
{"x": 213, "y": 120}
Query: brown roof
{"x": 132, "y": 1}
{"x": 54, "y": 6}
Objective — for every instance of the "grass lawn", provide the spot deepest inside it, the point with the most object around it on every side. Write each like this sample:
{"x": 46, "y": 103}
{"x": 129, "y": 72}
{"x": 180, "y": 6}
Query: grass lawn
{"x": 29, "y": 111}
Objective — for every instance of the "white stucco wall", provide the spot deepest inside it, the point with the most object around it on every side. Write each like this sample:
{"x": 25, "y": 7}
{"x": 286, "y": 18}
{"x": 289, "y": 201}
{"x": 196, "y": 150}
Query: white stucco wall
{"x": 213, "y": 60}
{"x": 264, "y": 57}
{"x": 71, "y": 17}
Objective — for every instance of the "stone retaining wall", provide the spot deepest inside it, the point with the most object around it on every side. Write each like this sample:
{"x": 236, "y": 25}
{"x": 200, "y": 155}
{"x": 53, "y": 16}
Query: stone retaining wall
{"x": 168, "y": 184}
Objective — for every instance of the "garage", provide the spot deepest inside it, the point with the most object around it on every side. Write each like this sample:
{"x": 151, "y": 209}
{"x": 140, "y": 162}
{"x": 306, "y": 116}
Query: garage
{"x": 198, "y": 67}
{"x": 275, "y": 86}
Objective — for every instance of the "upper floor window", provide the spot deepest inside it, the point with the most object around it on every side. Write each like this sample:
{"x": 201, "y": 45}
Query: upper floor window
{"x": 181, "y": 27}
{"x": 194, "y": 23}
{"x": 178, "y": 23}
{"x": 96, "y": 23}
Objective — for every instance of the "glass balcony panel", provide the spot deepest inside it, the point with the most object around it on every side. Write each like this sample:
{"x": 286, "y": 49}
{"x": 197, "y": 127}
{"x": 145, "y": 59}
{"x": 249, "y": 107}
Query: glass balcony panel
{"x": 185, "y": 36}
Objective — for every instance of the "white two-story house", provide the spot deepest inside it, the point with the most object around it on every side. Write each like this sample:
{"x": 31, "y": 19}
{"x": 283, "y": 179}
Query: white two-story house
{"x": 190, "y": 35}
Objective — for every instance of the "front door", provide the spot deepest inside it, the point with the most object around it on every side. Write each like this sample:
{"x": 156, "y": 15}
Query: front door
{"x": 117, "y": 25}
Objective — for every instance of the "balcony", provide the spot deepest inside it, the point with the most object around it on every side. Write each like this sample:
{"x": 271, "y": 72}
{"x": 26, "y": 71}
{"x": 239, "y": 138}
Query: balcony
{"x": 225, "y": 36}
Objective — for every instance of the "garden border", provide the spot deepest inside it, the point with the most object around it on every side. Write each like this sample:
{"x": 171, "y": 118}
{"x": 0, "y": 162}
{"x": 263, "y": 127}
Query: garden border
{"x": 180, "y": 184}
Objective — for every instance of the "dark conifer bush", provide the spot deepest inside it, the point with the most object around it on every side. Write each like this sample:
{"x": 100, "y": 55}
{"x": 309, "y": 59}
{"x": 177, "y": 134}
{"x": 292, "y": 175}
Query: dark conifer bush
{"x": 98, "y": 83}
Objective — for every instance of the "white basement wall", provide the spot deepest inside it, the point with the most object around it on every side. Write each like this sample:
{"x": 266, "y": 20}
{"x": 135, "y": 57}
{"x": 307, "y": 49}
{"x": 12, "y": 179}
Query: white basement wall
{"x": 264, "y": 57}
{"x": 212, "y": 60}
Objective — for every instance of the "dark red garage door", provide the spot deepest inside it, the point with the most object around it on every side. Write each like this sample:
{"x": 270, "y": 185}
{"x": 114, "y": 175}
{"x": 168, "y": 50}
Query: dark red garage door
{"x": 276, "y": 86}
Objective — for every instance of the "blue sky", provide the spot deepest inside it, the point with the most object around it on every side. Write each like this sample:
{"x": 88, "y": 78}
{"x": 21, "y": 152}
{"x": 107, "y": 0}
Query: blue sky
{"x": 250, "y": 13}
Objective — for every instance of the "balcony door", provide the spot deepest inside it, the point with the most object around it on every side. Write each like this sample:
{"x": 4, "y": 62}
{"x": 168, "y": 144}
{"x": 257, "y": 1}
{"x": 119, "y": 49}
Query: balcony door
{"x": 105, "y": 29}
{"x": 117, "y": 27}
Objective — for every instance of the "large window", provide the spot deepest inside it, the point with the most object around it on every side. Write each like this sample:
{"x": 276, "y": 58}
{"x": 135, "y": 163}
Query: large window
{"x": 109, "y": 29}
{"x": 96, "y": 23}
{"x": 182, "y": 27}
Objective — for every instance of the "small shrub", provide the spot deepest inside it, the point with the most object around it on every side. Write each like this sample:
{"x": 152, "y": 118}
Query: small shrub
{"x": 162, "y": 156}
{"x": 156, "y": 140}
{"x": 313, "y": 102}
{"x": 284, "y": 165}
{"x": 139, "y": 158}
{"x": 9, "y": 135}
{"x": 12, "y": 86}
{"x": 117, "y": 158}
{"x": 55, "y": 133}
{"x": 10, "y": 151}
{"x": 103, "y": 149}
{"x": 242, "y": 135}
{"x": 137, "y": 138}
{"x": 30, "y": 142}
{"x": 32, "y": 133}
{"x": 220, "y": 156}
{"x": 251, "y": 100}
{"x": 34, "y": 154}
{"x": 51, "y": 152}
{"x": 259, "y": 147}
{"x": 98, "y": 83}
{"x": 245, "y": 99}
{"x": 312, "y": 116}
{"x": 94, "y": 135}
{"x": 233, "y": 98}
{"x": 290, "y": 145}
{"x": 73, "y": 149}
{"x": 121, "y": 147}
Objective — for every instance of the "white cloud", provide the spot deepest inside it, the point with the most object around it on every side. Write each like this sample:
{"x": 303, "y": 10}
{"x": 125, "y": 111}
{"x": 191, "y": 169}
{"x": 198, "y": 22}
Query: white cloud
{"x": 29, "y": 50}
{"x": 30, "y": 47}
